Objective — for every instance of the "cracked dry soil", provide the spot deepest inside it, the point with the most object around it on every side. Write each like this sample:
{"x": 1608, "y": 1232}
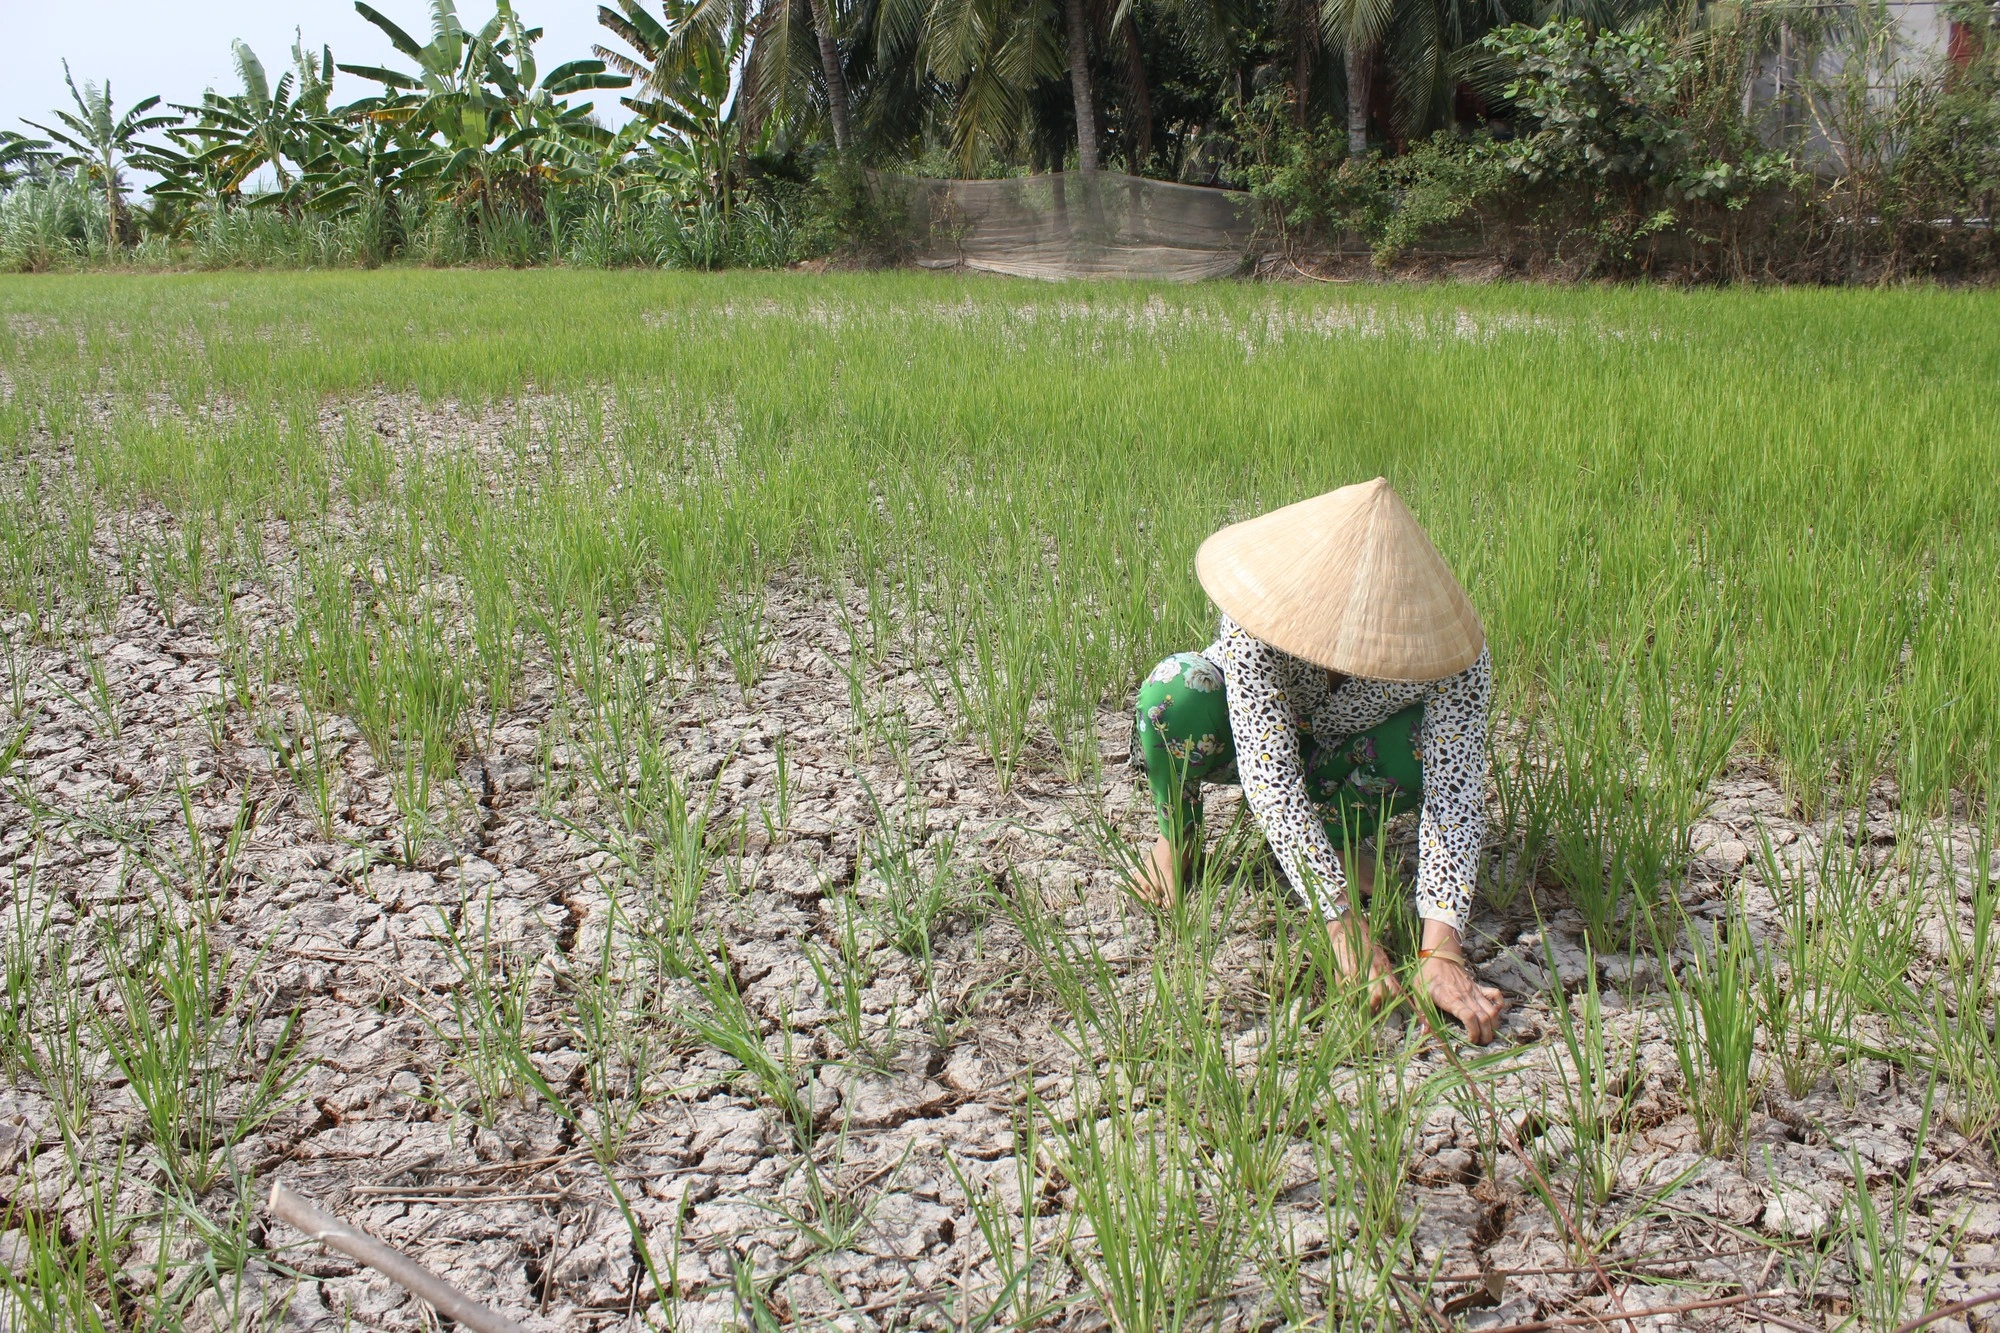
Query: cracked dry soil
{"x": 356, "y": 941}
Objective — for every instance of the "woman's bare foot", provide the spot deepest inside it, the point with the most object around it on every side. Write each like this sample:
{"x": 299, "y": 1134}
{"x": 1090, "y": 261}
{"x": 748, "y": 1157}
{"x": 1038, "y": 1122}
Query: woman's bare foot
{"x": 1160, "y": 875}
{"x": 1452, "y": 987}
{"x": 1351, "y": 944}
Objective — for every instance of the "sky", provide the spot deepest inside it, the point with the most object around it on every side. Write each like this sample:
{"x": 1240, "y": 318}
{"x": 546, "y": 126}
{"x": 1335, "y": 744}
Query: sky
{"x": 179, "y": 49}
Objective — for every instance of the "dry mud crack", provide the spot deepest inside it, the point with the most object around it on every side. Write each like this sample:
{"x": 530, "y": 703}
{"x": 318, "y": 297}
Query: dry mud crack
{"x": 148, "y": 776}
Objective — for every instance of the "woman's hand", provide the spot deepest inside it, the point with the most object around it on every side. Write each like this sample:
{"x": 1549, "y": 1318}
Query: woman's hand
{"x": 1352, "y": 944}
{"x": 1451, "y": 986}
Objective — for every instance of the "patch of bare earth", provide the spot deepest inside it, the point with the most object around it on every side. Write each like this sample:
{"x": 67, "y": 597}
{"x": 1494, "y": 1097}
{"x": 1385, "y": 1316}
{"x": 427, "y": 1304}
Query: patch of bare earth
{"x": 355, "y": 940}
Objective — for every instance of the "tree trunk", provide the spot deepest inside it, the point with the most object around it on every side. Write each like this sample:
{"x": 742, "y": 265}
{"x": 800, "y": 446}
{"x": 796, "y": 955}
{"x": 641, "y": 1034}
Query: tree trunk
{"x": 1142, "y": 97}
{"x": 110, "y": 207}
{"x": 1079, "y": 85}
{"x": 836, "y": 77}
{"x": 1360, "y": 83}
{"x": 1304, "y": 33}
{"x": 1301, "y": 81}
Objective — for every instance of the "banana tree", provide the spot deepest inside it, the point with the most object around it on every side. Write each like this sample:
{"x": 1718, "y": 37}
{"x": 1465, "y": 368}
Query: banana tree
{"x": 359, "y": 163}
{"x": 262, "y": 125}
{"x": 687, "y": 68}
{"x": 101, "y": 141}
{"x": 21, "y": 157}
{"x": 481, "y": 97}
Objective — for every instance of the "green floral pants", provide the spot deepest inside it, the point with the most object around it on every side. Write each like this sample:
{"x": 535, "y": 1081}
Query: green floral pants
{"x": 1181, "y": 734}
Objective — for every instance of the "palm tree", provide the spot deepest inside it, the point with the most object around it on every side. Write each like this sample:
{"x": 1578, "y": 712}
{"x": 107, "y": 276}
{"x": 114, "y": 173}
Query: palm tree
{"x": 994, "y": 55}
{"x": 1358, "y": 26}
{"x": 835, "y": 75}
{"x": 1080, "y": 90}
{"x": 100, "y": 140}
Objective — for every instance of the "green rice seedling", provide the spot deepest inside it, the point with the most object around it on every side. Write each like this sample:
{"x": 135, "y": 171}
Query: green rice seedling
{"x": 1688, "y": 678}
{"x": 690, "y": 582}
{"x": 1880, "y": 915}
{"x": 743, "y": 631}
{"x": 844, "y": 983}
{"x": 728, "y": 1025}
{"x": 101, "y": 695}
{"x": 879, "y": 585}
{"x": 1825, "y": 724}
{"x": 854, "y": 670}
{"x": 1804, "y": 982}
{"x": 310, "y": 759}
{"x": 1111, "y": 1023}
{"x": 1074, "y": 687}
{"x": 495, "y": 621}
{"x": 781, "y": 776}
{"x": 662, "y": 1270}
{"x": 1164, "y": 1243}
{"x": 49, "y": 1044}
{"x": 14, "y": 658}
{"x": 833, "y": 1214}
{"x": 1363, "y": 1152}
{"x": 367, "y": 463}
{"x": 202, "y": 868}
{"x": 1007, "y": 679}
{"x": 486, "y": 1034}
{"x": 619, "y": 1054}
{"x": 1712, "y": 1024}
{"x": 1597, "y": 1079}
{"x": 1026, "y": 1294}
{"x": 100, "y": 706}
{"x": 1526, "y": 815}
{"x": 56, "y": 1284}
{"x": 917, "y": 873}
{"x": 1614, "y": 837}
{"x": 753, "y": 1301}
{"x": 1253, "y": 1080}
{"x": 215, "y": 1235}
{"x": 23, "y": 952}
{"x": 686, "y": 837}
{"x": 401, "y": 678}
{"x": 663, "y": 835}
{"x": 188, "y": 1044}
{"x": 1958, "y": 1026}
{"x": 1892, "y": 1283}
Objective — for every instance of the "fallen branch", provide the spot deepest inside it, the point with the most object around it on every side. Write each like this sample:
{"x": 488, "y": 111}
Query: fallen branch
{"x": 1947, "y": 1311}
{"x": 1622, "y": 1316}
{"x": 391, "y": 1263}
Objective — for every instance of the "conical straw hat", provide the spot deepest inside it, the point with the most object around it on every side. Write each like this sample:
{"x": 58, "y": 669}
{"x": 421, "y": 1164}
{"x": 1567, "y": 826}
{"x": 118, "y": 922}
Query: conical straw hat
{"x": 1348, "y": 581}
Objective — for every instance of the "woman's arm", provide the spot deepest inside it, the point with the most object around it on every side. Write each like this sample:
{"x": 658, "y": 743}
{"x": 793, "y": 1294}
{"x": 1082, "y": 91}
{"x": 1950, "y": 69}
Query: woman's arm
{"x": 1273, "y": 777}
{"x": 1454, "y": 819}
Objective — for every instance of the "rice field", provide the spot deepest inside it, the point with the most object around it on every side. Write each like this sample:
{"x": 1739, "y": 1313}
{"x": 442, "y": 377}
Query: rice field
{"x": 616, "y": 783}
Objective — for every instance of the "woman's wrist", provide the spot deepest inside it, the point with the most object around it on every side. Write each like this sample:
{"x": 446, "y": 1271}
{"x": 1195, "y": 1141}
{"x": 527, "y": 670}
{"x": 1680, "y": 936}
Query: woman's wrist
{"x": 1440, "y": 934}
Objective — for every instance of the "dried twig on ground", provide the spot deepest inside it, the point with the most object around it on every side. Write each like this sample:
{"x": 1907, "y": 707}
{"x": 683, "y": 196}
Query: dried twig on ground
{"x": 391, "y": 1263}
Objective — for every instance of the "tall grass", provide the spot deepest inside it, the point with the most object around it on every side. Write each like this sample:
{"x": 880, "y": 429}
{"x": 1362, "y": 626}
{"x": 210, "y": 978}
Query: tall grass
{"x": 1671, "y": 481}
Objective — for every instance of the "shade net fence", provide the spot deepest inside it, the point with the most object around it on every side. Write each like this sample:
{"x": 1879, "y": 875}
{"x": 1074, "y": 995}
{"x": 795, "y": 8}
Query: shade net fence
{"x": 1072, "y": 225}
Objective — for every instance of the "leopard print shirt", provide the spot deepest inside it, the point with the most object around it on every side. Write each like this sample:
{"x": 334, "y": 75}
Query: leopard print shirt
{"x": 1273, "y": 696}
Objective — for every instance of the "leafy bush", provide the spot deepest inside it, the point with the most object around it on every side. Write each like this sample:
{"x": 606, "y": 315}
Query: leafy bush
{"x": 1609, "y": 141}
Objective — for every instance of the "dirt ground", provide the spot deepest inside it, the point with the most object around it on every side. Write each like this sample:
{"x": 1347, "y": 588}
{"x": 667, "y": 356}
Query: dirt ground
{"x": 517, "y": 1213}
